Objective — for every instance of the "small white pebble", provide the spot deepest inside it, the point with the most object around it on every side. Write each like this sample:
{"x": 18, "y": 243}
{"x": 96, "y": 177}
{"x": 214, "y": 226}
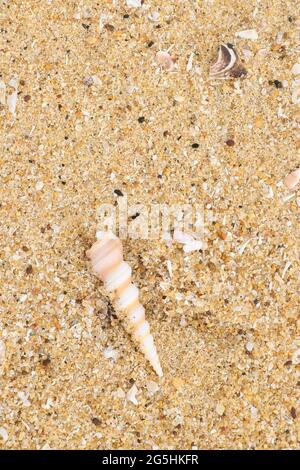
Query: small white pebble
{"x": 12, "y": 102}
{"x": 195, "y": 245}
{"x": 296, "y": 69}
{"x": 169, "y": 266}
{"x": 3, "y": 434}
{"x": 296, "y": 357}
{"x": 2, "y": 352}
{"x": 152, "y": 387}
{"x": 55, "y": 228}
{"x": 253, "y": 412}
{"x": 39, "y": 185}
{"x": 296, "y": 91}
{"x": 2, "y": 93}
{"x": 119, "y": 393}
{"x": 134, "y": 3}
{"x": 249, "y": 346}
{"x": 22, "y": 298}
{"x": 60, "y": 297}
{"x": 96, "y": 80}
{"x": 179, "y": 99}
{"x": 164, "y": 60}
{"x": 291, "y": 180}
{"x": 110, "y": 353}
{"x": 190, "y": 63}
{"x": 154, "y": 16}
{"x": 247, "y": 34}
{"x": 298, "y": 201}
{"x": 247, "y": 53}
{"x": 220, "y": 409}
{"x": 182, "y": 237}
{"x": 131, "y": 395}
{"x": 24, "y": 398}
{"x": 14, "y": 82}
{"x": 102, "y": 19}
{"x": 46, "y": 447}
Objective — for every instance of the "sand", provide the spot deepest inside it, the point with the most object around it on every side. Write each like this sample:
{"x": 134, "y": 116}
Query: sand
{"x": 78, "y": 76}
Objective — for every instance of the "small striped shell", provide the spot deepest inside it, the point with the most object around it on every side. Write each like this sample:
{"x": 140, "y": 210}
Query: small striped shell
{"x": 106, "y": 257}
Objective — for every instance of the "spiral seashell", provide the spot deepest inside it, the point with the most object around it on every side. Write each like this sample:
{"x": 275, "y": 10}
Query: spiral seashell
{"x": 228, "y": 64}
{"x": 106, "y": 256}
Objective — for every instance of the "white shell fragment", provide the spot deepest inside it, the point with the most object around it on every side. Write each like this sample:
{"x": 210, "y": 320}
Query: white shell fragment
{"x": 2, "y": 352}
{"x": 220, "y": 409}
{"x": 195, "y": 245}
{"x": 24, "y": 398}
{"x": 292, "y": 179}
{"x": 39, "y": 185}
{"x": 106, "y": 256}
{"x": 228, "y": 64}
{"x": 190, "y": 241}
{"x": 248, "y": 34}
{"x": 131, "y": 395}
{"x": 190, "y": 63}
{"x": 152, "y": 387}
{"x": 3, "y": 434}
{"x": 12, "y": 102}
{"x": 134, "y": 3}
{"x": 154, "y": 16}
{"x": 296, "y": 69}
{"x": 165, "y": 61}
{"x": 2, "y": 92}
{"x": 110, "y": 353}
{"x": 296, "y": 91}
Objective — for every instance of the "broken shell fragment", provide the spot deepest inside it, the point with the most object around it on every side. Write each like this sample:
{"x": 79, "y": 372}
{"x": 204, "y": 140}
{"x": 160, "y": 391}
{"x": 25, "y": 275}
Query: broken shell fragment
{"x": 164, "y": 60}
{"x": 106, "y": 256}
{"x": 292, "y": 179}
{"x": 228, "y": 64}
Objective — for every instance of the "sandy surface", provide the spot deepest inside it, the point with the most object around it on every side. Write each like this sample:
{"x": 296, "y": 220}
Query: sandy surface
{"x": 225, "y": 323}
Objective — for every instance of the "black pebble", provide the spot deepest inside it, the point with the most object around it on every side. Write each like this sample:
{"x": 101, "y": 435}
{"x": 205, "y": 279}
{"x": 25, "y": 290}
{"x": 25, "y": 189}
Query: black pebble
{"x": 195, "y": 146}
{"x": 118, "y": 192}
{"x": 141, "y": 119}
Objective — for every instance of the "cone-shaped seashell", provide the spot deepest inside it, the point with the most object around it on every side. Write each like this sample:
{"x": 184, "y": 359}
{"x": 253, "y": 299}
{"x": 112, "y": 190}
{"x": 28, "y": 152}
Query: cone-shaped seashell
{"x": 228, "y": 64}
{"x": 106, "y": 256}
{"x": 292, "y": 179}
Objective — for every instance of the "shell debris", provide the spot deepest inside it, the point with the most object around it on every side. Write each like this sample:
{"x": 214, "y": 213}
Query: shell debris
{"x": 247, "y": 34}
{"x": 292, "y": 179}
{"x": 228, "y": 64}
{"x": 131, "y": 395}
{"x": 165, "y": 60}
{"x": 134, "y": 3}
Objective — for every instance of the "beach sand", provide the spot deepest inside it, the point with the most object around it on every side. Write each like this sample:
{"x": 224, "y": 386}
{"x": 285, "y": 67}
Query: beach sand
{"x": 94, "y": 114}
